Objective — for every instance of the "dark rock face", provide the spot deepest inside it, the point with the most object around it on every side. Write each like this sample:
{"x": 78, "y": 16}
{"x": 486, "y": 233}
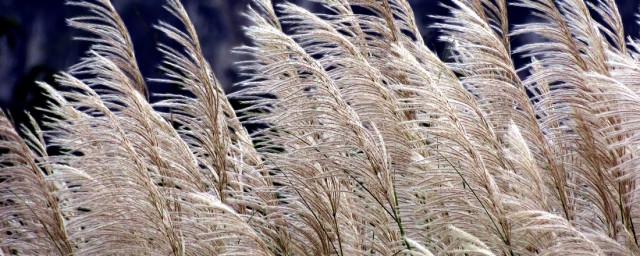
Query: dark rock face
{"x": 35, "y": 42}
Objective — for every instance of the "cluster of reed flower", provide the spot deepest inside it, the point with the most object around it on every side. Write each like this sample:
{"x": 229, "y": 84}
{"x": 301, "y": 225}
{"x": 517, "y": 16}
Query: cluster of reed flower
{"x": 370, "y": 143}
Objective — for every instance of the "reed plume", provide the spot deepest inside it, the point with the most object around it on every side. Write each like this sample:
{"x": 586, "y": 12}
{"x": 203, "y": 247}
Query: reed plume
{"x": 368, "y": 142}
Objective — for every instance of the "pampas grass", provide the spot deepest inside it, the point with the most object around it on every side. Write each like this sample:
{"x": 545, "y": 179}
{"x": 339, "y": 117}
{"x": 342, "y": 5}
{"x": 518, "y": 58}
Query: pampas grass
{"x": 370, "y": 143}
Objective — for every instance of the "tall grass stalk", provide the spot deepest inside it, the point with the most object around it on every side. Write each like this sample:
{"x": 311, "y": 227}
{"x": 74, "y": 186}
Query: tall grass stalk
{"x": 370, "y": 143}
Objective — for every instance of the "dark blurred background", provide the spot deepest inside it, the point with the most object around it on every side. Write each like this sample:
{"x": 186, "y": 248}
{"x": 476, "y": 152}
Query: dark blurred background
{"x": 36, "y": 43}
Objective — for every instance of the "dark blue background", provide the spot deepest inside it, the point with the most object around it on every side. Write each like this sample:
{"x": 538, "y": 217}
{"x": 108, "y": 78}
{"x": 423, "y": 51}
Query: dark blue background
{"x": 35, "y": 42}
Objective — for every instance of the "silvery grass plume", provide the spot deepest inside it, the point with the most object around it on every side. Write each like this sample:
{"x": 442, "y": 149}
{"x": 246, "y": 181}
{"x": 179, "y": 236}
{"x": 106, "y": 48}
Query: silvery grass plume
{"x": 371, "y": 143}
